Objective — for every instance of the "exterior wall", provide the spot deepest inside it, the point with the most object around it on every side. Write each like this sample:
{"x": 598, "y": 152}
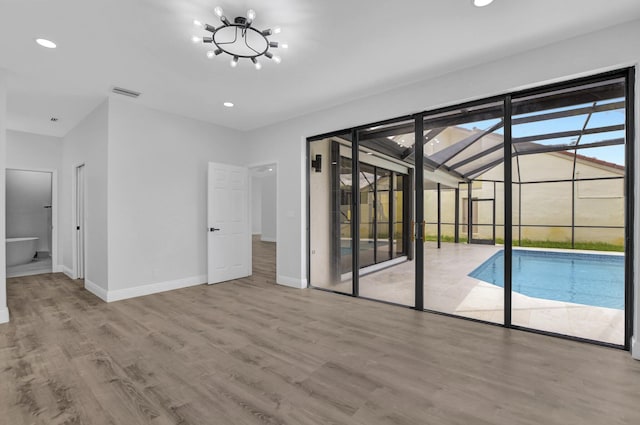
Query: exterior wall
{"x": 597, "y": 203}
{"x": 320, "y": 225}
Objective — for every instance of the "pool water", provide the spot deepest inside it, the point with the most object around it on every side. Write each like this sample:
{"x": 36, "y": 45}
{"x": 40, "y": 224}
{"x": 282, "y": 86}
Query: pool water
{"x": 591, "y": 279}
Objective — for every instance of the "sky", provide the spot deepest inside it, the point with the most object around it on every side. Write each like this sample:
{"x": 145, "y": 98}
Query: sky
{"x": 614, "y": 154}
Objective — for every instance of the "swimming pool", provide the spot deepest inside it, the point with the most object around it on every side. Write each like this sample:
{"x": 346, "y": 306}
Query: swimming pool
{"x": 590, "y": 279}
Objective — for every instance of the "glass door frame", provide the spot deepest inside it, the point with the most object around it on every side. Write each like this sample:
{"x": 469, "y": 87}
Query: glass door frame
{"x": 417, "y": 249}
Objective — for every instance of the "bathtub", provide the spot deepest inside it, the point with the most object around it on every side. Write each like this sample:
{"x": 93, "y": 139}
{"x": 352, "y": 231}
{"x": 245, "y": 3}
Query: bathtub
{"x": 21, "y": 250}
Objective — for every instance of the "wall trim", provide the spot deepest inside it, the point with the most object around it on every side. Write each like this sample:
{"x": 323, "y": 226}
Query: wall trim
{"x": 154, "y": 288}
{"x": 267, "y": 239}
{"x": 635, "y": 348}
{"x": 66, "y": 270}
{"x": 4, "y": 315}
{"x": 292, "y": 282}
{"x": 96, "y": 290}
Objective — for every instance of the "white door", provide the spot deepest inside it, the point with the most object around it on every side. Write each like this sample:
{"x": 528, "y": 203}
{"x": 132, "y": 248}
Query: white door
{"x": 228, "y": 227}
{"x": 80, "y": 222}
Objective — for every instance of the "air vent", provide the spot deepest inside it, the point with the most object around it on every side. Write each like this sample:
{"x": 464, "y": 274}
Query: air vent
{"x": 125, "y": 92}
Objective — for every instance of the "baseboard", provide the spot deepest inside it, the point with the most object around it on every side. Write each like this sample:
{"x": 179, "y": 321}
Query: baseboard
{"x": 4, "y": 315}
{"x": 292, "y": 282}
{"x": 267, "y": 239}
{"x": 153, "y": 288}
{"x": 96, "y": 290}
{"x": 635, "y": 348}
{"x": 67, "y": 271}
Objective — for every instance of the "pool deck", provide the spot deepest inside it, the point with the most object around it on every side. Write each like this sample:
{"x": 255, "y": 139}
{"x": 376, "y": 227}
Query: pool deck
{"x": 449, "y": 289}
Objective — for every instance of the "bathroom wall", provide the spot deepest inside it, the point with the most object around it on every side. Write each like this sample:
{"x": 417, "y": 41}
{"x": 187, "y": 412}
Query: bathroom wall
{"x": 27, "y": 194}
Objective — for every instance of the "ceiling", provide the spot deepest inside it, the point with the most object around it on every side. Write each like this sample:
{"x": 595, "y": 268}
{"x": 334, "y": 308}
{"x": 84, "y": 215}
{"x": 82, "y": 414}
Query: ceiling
{"x": 339, "y": 51}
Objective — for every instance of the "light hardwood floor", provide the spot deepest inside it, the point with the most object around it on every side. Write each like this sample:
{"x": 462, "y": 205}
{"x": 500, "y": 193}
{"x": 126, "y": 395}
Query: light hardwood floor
{"x": 251, "y": 352}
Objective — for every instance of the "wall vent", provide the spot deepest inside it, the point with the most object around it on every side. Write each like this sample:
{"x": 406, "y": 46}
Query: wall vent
{"x": 125, "y": 92}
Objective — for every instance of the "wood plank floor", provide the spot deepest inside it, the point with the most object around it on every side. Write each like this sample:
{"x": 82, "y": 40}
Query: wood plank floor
{"x": 251, "y": 352}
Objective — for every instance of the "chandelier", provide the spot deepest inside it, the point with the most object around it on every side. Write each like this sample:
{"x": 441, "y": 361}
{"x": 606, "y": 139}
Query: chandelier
{"x": 240, "y": 39}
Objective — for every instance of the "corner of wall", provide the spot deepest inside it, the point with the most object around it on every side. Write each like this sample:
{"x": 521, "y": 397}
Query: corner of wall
{"x": 291, "y": 282}
{"x": 4, "y": 315}
{"x": 96, "y": 290}
{"x": 635, "y": 348}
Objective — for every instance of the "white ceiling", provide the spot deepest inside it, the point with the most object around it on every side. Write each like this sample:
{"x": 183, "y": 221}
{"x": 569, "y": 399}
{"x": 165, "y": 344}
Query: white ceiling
{"x": 339, "y": 50}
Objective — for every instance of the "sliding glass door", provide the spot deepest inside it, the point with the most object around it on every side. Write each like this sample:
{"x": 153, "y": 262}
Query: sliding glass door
{"x": 463, "y": 182}
{"x": 514, "y": 210}
{"x": 386, "y": 164}
{"x": 569, "y": 213}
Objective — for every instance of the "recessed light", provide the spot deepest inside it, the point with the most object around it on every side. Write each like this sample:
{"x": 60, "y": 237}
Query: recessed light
{"x": 46, "y": 43}
{"x": 482, "y": 3}
{"x": 270, "y": 169}
{"x": 228, "y": 104}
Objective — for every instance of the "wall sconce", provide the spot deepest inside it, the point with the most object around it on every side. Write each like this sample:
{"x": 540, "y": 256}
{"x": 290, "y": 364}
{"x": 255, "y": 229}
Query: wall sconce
{"x": 316, "y": 164}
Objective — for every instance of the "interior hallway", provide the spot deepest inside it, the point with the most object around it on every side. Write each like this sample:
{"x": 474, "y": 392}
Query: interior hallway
{"x": 250, "y": 352}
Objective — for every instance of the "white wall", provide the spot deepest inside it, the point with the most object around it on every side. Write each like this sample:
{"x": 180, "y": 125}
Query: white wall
{"x": 256, "y": 205}
{"x": 285, "y": 142}
{"x": 28, "y": 151}
{"x": 4, "y": 311}
{"x": 27, "y": 194}
{"x": 157, "y": 196}
{"x": 86, "y": 144}
{"x": 268, "y": 209}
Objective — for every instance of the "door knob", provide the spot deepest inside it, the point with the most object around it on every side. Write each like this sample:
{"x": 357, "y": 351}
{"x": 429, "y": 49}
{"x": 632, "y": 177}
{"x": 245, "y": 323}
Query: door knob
{"x": 213, "y": 229}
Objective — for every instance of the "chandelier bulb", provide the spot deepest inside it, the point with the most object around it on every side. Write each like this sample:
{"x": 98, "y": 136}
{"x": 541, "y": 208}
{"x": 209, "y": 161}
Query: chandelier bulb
{"x": 234, "y": 62}
{"x": 195, "y": 39}
{"x": 218, "y": 11}
{"x": 210, "y": 54}
{"x": 277, "y": 30}
{"x": 251, "y": 14}
{"x": 276, "y": 59}
{"x": 198, "y": 23}
{"x": 284, "y": 46}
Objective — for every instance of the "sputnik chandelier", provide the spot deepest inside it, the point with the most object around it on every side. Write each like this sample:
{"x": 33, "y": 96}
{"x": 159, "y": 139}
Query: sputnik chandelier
{"x": 240, "y": 39}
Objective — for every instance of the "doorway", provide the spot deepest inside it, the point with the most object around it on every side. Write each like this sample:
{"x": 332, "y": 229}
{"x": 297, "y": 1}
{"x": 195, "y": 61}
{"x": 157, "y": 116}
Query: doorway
{"x": 79, "y": 222}
{"x": 264, "y": 229}
{"x": 31, "y": 212}
{"x": 483, "y": 219}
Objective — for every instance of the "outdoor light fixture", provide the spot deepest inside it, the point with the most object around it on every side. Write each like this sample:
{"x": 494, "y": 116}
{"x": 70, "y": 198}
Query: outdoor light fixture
{"x": 240, "y": 39}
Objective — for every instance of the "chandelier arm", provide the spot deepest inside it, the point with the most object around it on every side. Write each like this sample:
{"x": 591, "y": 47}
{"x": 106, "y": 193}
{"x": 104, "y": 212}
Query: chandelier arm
{"x": 246, "y": 42}
{"x": 228, "y": 42}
